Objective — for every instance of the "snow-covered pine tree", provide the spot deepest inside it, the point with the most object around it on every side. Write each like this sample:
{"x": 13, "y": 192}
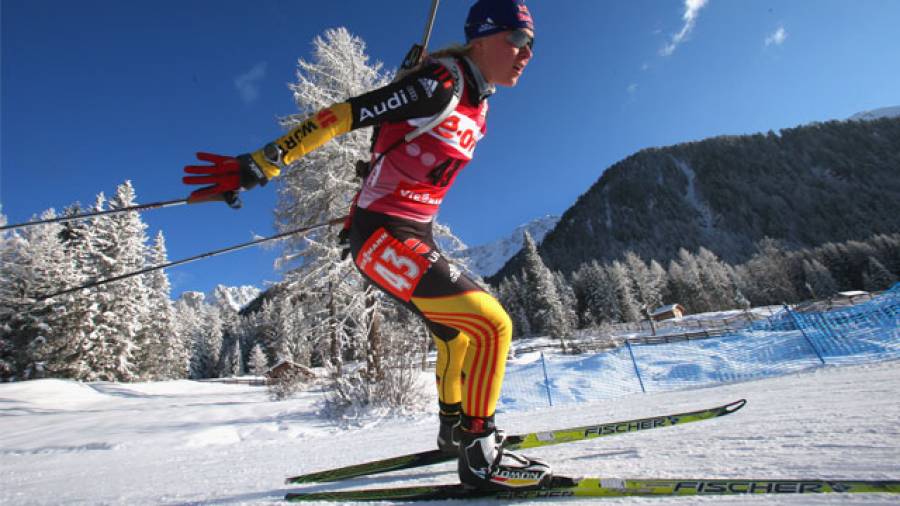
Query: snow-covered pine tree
{"x": 322, "y": 186}
{"x": 188, "y": 327}
{"x": 265, "y": 330}
{"x": 819, "y": 281}
{"x": 770, "y": 273}
{"x": 646, "y": 284}
{"x": 258, "y": 364}
{"x": 7, "y": 349}
{"x": 596, "y": 297}
{"x": 716, "y": 279}
{"x": 208, "y": 346}
{"x": 200, "y": 326}
{"x": 621, "y": 285}
{"x": 684, "y": 280}
{"x": 235, "y": 362}
{"x": 876, "y": 277}
{"x": 887, "y": 248}
{"x": 547, "y": 314}
{"x": 120, "y": 248}
{"x": 79, "y": 240}
{"x": 659, "y": 282}
{"x": 569, "y": 303}
{"x": 512, "y": 297}
{"x": 293, "y": 340}
{"x": 35, "y": 263}
{"x": 230, "y": 322}
{"x": 582, "y": 288}
{"x": 163, "y": 357}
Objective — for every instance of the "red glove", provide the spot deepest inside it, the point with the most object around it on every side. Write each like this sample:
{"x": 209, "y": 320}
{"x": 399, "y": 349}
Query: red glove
{"x": 227, "y": 176}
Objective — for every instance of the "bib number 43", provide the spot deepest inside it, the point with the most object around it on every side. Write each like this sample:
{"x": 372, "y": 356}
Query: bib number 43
{"x": 391, "y": 264}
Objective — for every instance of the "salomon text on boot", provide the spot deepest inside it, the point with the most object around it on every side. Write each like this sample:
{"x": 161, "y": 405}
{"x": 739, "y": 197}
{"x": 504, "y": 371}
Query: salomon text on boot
{"x": 485, "y": 465}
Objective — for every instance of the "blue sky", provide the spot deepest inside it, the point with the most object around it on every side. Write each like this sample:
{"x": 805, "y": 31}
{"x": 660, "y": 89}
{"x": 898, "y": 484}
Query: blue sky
{"x": 96, "y": 92}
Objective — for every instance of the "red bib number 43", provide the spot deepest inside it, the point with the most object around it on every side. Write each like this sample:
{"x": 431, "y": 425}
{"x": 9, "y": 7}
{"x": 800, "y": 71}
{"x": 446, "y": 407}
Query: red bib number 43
{"x": 391, "y": 264}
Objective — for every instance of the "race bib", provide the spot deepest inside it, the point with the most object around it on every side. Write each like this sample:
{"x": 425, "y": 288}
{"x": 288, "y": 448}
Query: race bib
{"x": 391, "y": 264}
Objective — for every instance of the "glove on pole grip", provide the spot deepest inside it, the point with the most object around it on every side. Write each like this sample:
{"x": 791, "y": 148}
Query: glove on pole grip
{"x": 226, "y": 177}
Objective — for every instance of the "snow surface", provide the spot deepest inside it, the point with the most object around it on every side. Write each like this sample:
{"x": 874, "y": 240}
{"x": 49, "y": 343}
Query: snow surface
{"x": 186, "y": 442}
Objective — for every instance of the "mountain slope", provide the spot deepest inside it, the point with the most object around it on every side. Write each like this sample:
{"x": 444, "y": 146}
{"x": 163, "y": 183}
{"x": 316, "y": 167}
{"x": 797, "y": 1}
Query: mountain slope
{"x": 818, "y": 183}
{"x": 884, "y": 112}
{"x": 487, "y": 259}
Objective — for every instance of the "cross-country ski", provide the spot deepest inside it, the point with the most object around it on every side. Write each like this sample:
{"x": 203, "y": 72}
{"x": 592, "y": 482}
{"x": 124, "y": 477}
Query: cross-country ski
{"x": 521, "y": 441}
{"x": 564, "y": 488}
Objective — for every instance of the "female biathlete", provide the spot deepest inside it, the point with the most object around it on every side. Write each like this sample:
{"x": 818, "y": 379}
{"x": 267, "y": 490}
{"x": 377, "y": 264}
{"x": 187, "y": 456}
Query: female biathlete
{"x": 429, "y": 123}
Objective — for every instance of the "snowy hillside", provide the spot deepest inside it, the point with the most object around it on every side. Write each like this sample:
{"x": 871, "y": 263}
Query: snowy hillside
{"x": 885, "y": 112}
{"x": 197, "y": 442}
{"x": 232, "y": 298}
{"x": 487, "y": 259}
{"x": 235, "y": 297}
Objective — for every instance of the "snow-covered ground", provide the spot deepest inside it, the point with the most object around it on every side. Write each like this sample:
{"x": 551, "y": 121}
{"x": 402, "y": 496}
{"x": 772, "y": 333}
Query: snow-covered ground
{"x": 188, "y": 442}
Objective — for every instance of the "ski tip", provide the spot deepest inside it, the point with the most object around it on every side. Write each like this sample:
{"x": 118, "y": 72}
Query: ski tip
{"x": 734, "y": 406}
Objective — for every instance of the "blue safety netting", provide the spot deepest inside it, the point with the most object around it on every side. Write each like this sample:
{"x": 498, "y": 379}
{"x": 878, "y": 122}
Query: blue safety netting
{"x": 789, "y": 341}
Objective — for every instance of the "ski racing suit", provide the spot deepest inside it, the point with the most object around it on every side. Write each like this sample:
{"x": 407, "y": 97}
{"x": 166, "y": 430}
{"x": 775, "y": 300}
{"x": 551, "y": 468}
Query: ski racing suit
{"x": 391, "y": 223}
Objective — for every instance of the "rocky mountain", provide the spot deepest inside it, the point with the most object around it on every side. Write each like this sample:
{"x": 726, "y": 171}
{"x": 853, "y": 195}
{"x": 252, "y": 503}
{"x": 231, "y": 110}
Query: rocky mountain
{"x": 234, "y": 298}
{"x": 231, "y": 298}
{"x": 817, "y": 183}
{"x": 487, "y": 259}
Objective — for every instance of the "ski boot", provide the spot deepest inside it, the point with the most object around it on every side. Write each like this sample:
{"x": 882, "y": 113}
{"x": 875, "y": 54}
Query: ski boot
{"x": 485, "y": 465}
{"x": 448, "y": 434}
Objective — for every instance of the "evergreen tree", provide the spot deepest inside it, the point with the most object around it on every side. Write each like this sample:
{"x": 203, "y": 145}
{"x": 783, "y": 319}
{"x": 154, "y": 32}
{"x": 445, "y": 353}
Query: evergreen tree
{"x": 819, "y": 281}
{"x": 584, "y": 281}
{"x": 120, "y": 249}
{"x": 199, "y": 324}
{"x": 292, "y": 340}
{"x": 621, "y": 287}
{"x": 258, "y": 364}
{"x": 322, "y": 186}
{"x": 888, "y": 251}
{"x": 235, "y": 362}
{"x": 79, "y": 241}
{"x": 658, "y": 282}
{"x": 38, "y": 341}
{"x": 877, "y": 277}
{"x": 601, "y": 296}
{"x": 188, "y": 325}
{"x": 512, "y": 297}
{"x": 7, "y": 349}
{"x": 569, "y": 303}
{"x": 547, "y": 314}
{"x": 716, "y": 280}
{"x": 163, "y": 354}
{"x": 648, "y": 282}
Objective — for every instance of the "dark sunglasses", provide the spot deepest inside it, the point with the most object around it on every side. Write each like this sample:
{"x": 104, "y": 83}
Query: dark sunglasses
{"x": 520, "y": 39}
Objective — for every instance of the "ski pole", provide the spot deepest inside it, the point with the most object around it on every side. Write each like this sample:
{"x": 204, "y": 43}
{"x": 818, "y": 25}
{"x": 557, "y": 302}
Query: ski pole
{"x": 415, "y": 54}
{"x": 302, "y": 230}
{"x": 62, "y": 219}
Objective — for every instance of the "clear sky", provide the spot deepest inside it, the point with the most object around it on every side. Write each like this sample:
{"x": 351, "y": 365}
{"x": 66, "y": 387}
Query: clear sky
{"x": 95, "y": 92}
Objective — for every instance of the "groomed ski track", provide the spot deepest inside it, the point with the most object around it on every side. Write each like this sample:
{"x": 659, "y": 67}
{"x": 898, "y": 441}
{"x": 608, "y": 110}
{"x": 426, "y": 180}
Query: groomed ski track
{"x": 201, "y": 443}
